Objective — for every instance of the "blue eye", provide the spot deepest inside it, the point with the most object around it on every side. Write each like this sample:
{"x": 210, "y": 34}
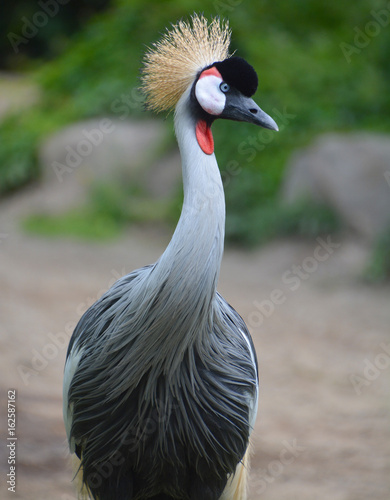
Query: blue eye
{"x": 225, "y": 87}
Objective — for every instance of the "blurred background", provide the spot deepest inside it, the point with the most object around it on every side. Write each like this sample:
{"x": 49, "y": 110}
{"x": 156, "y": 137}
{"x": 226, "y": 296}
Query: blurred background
{"x": 90, "y": 188}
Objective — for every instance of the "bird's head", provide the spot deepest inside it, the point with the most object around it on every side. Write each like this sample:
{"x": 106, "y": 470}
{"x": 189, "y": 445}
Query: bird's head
{"x": 196, "y": 57}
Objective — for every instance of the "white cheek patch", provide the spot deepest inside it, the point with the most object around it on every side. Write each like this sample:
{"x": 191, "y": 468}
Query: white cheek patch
{"x": 209, "y": 95}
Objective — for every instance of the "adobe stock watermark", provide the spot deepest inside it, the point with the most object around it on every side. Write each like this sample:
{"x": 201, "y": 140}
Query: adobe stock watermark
{"x": 205, "y": 196}
{"x": 250, "y": 147}
{"x": 363, "y": 36}
{"x": 225, "y": 7}
{"x": 75, "y": 155}
{"x": 123, "y": 105}
{"x": 288, "y": 454}
{"x": 31, "y": 27}
{"x": 292, "y": 279}
{"x": 130, "y": 441}
{"x": 373, "y": 368}
{"x": 387, "y": 177}
{"x": 258, "y": 142}
{"x": 57, "y": 342}
{"x": 92, "y": 138}
{"x": 3, "y": 237}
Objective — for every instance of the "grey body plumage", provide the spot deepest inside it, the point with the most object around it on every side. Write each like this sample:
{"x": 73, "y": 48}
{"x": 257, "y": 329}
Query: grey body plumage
{"x": 180, "y": 429}
{"x": 160, "y": 388}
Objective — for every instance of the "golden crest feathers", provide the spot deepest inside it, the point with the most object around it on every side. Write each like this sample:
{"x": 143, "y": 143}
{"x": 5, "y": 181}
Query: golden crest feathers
{"x": 173, "y": 63}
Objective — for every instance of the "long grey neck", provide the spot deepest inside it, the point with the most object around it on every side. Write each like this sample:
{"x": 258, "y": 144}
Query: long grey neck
{"x": 173, "y": 305}
{"x": 190, "y": 265}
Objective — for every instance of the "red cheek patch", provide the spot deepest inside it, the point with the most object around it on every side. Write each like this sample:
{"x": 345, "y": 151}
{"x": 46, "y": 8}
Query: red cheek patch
{"x": 204, "y": 137}
{"x": 211, "y": 71}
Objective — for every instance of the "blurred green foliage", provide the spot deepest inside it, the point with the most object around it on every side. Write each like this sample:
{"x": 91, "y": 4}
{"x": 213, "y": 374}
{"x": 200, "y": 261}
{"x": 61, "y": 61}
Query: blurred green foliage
{"x": 303, "y": 218}
{"x": 320, "y": 69}
{"x": 378, "y": 269}
{"x": 41, "y": 29}
{"x": 109, "y": 208}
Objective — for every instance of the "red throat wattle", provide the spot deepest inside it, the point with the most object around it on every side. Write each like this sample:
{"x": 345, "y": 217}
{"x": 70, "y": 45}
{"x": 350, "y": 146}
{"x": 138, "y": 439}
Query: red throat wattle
{"x": 205, "y": 137}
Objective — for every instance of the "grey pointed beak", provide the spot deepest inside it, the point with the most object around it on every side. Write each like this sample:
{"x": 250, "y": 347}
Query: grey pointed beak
{"x": 244, "y": 109}
{"x": 257, "y": 116}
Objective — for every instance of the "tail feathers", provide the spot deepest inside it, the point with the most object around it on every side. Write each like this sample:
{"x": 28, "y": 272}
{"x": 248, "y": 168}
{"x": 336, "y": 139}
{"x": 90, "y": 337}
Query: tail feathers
{"x": 236, "y": 488}
{"x": 122, "y": 490}
{"x": 78, "y": 478}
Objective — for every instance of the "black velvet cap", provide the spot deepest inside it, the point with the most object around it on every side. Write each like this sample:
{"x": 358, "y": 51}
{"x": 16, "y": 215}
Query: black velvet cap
{"x": 238, "y": 74}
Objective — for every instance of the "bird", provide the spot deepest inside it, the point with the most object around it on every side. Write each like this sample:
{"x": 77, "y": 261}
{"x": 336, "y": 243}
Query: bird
{"x": 161, "y": 381}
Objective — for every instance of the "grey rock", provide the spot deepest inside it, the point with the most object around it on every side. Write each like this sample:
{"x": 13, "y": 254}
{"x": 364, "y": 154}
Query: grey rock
{"x": 348, "y": 172}
{"x": 100, "y": 149}
{"x": 163, "y": 177}
{"x": 106, "y": 149}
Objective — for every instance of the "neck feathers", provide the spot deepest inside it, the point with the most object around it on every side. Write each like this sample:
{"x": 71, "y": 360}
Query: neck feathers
{"x": 189, "y": 268}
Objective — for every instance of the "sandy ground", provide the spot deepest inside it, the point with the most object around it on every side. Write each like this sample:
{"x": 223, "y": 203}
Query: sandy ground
{"x": 322, "y": 337}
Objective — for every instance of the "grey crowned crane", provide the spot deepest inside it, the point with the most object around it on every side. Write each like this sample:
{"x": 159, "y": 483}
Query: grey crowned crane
{"x": 161, "y": 382}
